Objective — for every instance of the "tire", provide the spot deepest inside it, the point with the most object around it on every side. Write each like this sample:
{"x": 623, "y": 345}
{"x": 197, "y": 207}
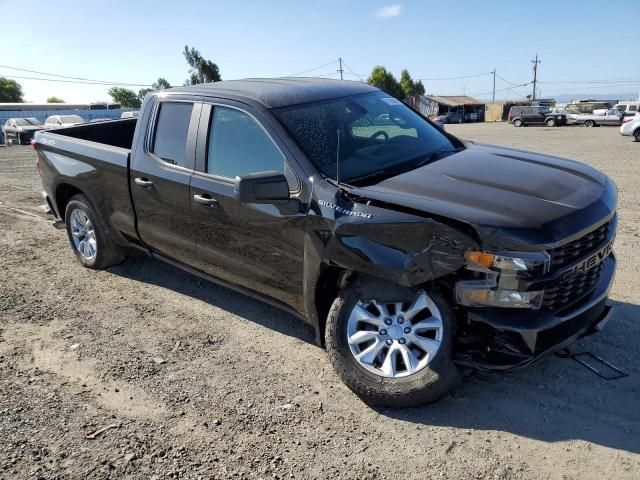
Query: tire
{"x": 517, "y": 122}
{"x": 428, "y": 383}
{"x": 550, "y": 122}
{"x": 90, "y": 240}
{"x": 589, "y": 123}
{"x": 636, "y": 135}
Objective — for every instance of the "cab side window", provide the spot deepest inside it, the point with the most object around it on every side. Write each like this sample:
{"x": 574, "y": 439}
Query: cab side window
{"x": 170, "y": 136}
{"x": 238, "y": 145}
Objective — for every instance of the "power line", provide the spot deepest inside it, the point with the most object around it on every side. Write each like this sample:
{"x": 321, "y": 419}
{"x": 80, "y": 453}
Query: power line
{"x": 351, "y": 72}
{"x": 75, "y": 81}
{"x": 313, "y": 69}
{"x": 85, "y": 80}
{"x": 590, "y": 82}
{"x": 455, "y": 78}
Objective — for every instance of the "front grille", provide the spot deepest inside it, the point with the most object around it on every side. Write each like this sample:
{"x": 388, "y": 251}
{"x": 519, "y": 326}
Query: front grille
{"x": 571, "y": 290}
{"x": 561, "y": 256}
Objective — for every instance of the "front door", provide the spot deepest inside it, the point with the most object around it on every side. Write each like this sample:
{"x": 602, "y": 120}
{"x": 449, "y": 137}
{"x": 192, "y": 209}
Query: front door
{"x": 160, "y": 178}
{"x": 259, "y": 247}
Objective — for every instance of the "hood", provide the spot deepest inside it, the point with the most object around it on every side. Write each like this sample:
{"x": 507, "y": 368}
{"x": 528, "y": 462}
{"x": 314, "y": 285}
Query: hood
{"x": 513, "y": 198}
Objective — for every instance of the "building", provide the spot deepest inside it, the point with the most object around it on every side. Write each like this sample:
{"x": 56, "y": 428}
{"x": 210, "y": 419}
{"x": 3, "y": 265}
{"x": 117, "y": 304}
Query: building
{"x": 433, "y": 105}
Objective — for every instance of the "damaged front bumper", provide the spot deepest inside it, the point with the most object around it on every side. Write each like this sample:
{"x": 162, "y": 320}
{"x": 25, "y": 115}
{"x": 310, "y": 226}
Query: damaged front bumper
{"x": 507, "y": 339}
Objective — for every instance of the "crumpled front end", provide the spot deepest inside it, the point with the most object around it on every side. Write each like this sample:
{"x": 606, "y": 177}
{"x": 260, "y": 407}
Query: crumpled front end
{"x": 552, "y": 307}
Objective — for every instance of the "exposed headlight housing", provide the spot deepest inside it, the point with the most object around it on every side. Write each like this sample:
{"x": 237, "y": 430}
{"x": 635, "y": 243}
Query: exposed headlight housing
{"x": 498, "y": 285}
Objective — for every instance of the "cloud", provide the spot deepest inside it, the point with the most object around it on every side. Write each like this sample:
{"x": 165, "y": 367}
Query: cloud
{"x": 389, "y": 11}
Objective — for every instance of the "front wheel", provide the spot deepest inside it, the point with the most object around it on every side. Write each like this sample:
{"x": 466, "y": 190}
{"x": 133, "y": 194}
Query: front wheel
{"x": 636, "y": 135}
{"x": 88, "y": 236}
{"x": 551, "y": 122}
{"x": 390, "y": 345}
{"x": 589, "y": 123}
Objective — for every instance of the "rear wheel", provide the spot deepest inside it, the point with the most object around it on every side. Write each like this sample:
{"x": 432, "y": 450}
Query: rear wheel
{"x": 390, "y": 345}
{"x": 589, "y": 123}
{"x": 517, "y": 122}
{"x": 550, "y": 122}
{"x": 636, "y": 135}
{"x": 89, "y": 239}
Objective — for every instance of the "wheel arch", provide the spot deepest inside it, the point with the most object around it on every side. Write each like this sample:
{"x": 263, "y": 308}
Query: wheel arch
{"x": 63, "y": 194}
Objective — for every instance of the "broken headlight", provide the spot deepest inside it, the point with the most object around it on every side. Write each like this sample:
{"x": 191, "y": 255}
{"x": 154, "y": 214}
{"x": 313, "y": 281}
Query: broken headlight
{"x": 497, "y": 282}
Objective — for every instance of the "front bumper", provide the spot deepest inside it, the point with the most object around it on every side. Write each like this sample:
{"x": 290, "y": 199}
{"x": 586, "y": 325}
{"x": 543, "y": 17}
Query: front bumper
{"x": 501, "y": 339}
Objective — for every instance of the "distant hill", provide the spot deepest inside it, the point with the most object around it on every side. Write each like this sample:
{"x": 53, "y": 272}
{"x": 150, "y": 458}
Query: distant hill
{"x": 567, "y": 97}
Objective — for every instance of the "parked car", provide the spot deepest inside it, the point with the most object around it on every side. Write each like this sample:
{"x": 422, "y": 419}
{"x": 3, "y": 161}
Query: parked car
{"x": 521, "y": 116}
{"x": 627, "y": 109}
{"x": 20, "y": 130}
{"x": 631, "y": 128}
{"x": 129, "y": 114}
{"x": 450, "y": 117}
{"x": 61, "y": 121}
{"x": 597, "y": 118}
{"x": 406, "y": 257}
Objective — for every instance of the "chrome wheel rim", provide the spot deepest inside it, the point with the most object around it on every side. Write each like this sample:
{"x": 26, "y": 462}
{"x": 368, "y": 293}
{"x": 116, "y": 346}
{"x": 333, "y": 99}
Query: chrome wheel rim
{"x": 395, "y": 340}
{"x": 83, "y": 234}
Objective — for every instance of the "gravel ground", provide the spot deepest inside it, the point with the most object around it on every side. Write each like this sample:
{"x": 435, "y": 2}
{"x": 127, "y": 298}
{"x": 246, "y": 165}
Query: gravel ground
{"x": 195, "y": 381}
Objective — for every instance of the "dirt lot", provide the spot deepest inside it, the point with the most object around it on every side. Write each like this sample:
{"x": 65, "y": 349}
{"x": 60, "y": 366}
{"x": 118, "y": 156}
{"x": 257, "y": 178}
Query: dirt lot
{"x": 200, "y": 382}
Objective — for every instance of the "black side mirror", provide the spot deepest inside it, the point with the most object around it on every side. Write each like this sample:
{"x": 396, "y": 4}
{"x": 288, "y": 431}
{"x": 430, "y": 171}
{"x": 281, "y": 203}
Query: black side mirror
{"x": 262, "y": 187}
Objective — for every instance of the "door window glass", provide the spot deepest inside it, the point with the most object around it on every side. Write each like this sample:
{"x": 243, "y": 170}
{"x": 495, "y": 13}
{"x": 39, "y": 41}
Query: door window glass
{"x": 238, "y": 145}
{"x": 172, "y": 127}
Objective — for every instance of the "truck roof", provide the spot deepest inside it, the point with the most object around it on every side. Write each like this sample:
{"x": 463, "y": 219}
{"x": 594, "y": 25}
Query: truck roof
{"x": 278, "y": 92}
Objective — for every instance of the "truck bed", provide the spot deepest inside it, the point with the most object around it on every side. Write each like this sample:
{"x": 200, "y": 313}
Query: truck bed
{"x": 92, "y": 158}
{"x": 117, "y": 133}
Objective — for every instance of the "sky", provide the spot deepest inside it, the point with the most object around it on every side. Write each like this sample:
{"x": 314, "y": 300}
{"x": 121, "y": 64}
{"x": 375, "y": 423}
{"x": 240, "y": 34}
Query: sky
{"x": 138, "y": 41}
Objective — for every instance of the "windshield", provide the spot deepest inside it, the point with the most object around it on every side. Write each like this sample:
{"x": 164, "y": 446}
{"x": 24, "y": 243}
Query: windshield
{"x": 25, "y": 122}
{"x": 377, "y": 136}
{"x": 71, "y": 119}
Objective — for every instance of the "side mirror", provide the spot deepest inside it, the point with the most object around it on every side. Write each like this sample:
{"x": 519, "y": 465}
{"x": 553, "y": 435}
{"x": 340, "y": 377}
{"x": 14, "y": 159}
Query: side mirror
{"x": 262, "y": 187}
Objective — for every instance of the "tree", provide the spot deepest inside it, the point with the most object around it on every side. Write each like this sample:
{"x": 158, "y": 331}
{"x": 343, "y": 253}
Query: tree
{"x": 125, "y": 97}
{"x": 201, "y": 71}
{"x": 160, "y": 84}
{"x": 142, "y": 92}
{"x": 54, "y": 100}
{"x": 385, "y": 80}
{"x": 10, "y": 91}
{"x": 409, "y": 87}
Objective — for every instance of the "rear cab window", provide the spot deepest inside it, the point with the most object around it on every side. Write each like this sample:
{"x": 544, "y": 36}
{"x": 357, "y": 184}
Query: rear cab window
{"x": 169, "y": 141}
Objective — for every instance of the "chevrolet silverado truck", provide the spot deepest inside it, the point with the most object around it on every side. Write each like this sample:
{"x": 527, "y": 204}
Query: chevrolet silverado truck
{"x": 409, "y": 251}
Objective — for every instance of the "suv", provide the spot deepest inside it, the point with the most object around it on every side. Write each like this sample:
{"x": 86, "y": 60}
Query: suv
{"x": 520, "y": 116}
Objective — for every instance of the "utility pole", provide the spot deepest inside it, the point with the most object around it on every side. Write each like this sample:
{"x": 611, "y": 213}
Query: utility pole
{"x": 340, "y": 69}
{"x": 493, "y": 97}
{"x": 535, "y": 75}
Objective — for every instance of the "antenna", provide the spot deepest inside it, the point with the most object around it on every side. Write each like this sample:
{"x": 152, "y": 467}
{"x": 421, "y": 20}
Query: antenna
{"x": 338, "y": 158}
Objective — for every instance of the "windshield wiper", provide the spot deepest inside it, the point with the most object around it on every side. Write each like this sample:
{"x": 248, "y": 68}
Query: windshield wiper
{"x": 435, "y": 156}
{"x": 377, "y": 174}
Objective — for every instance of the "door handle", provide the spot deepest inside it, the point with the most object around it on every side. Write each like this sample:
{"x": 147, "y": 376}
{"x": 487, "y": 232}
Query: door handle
{"x": 206, "y": 201}
{"x": 143, "y": 182}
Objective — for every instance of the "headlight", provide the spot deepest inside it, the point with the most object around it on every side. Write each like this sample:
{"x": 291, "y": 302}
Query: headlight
{"x": 530, "y": 263}
{"x": 501, "y": 272}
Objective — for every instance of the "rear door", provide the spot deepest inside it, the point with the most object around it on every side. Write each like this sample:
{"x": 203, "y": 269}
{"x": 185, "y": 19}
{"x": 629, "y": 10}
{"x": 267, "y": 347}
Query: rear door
{"x": 259, "y": 247}
{"x": 160, "y": 178}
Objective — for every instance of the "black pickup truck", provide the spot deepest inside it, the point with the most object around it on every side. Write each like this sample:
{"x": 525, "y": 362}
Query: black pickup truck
{"x": 411, "y": 252}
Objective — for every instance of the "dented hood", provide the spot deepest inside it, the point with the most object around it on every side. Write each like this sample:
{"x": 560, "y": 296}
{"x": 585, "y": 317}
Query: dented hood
{"x": 513, "y": 198}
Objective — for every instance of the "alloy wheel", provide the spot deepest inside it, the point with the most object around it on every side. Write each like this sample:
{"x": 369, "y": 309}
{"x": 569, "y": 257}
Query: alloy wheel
{"x": 83, "y": 234}
{"x": 395, "y": 340}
